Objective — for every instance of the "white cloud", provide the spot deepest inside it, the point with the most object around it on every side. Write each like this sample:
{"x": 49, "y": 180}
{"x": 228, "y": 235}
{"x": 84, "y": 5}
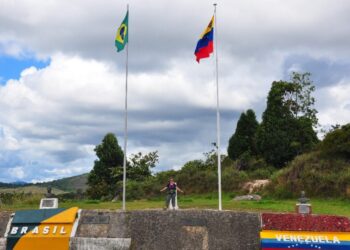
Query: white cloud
{"x": 7, "y": 141}
{"x": 337, "y": 110}
{"x": 17, "y": 172}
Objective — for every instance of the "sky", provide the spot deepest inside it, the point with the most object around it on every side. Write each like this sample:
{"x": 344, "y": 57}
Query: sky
{"x": 62, "y": 81}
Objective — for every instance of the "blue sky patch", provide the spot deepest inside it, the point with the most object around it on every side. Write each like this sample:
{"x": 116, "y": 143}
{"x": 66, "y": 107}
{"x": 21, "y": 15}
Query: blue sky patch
{"x": 324, "y": 72}
{"x": 11, "y": 68}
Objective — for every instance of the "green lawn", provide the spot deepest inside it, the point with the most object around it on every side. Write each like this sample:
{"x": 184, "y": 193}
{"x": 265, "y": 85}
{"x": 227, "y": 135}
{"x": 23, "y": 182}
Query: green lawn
{"x": 319, "y": 206}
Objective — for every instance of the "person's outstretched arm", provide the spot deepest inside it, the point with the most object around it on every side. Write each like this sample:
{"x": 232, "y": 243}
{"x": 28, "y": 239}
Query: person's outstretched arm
{"x": 178, "y": 189}
{"x": 163, "y": 189}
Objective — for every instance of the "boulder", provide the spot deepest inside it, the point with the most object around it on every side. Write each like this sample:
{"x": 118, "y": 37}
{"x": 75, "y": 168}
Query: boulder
{"x": 249, "y": 197}
{"x": 256, "y": 185}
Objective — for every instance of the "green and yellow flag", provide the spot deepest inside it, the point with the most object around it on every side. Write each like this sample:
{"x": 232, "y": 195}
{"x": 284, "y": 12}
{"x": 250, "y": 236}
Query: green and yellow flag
{"x": 122, "y": 34}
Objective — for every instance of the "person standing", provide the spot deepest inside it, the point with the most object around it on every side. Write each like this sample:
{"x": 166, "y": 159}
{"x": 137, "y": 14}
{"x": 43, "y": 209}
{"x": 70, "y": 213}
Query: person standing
{"x": 171, "y": 187}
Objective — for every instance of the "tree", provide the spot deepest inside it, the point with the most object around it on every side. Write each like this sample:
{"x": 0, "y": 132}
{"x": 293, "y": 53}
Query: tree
{"x": 299, "y": 99}
{"x": 139, "y": 166}
{"x": 287, "y": 123}
{"x": 243, "y": 140}
{"x": 110, "y": 156}
{"x": 337, "y": 142}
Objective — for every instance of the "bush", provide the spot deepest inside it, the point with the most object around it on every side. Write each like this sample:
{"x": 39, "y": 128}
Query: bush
{"x": 337, "y": 143}
{"x": 20, "y": 198}
{"x": 232, "y": 179}
{"x": 317, "y": 176}
{"x": 261, "y": 173}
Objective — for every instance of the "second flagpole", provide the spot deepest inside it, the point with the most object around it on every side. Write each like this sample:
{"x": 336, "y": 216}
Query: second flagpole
{"x": 126, "y": 114}
{"x": 217, "y": 109}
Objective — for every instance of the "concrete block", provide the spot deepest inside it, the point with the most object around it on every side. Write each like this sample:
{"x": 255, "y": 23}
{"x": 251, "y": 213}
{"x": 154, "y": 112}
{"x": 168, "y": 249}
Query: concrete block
{"x": 4, "y": 219}
{"x": 104, "y": 224}
{"x": 81, "y": 243}
{"x": 2, "y": 243}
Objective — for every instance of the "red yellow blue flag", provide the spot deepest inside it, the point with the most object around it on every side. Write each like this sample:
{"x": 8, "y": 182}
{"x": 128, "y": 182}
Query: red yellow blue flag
{"x": 205, "y": 45}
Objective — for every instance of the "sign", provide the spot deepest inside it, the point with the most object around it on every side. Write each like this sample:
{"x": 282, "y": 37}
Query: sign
{"x": 48, "y": 203}
{"x": 303, "y": 208}
{"x": 279, "y": 240}
{"x": 42, "y": 229}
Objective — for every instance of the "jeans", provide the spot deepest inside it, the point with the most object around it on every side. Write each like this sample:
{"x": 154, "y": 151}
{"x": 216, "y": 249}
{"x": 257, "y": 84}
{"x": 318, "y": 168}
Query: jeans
{"x": 170, "y": 196}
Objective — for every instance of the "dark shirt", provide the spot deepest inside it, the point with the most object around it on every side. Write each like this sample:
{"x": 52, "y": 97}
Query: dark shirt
{"x": 171, "y": 188}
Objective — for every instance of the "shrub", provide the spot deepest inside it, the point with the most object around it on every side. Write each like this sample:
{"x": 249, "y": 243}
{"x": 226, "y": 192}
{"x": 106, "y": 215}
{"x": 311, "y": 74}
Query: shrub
{"x": 319, "y": 177}
{"x": 262, "y": 173}
{"x": 233, "y": 179}
{"x": 337, "y": 143}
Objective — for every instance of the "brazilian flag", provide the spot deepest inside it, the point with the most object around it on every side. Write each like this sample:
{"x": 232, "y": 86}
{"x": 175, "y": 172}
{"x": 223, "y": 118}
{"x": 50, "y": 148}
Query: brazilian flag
{"x": 122, "y": 34}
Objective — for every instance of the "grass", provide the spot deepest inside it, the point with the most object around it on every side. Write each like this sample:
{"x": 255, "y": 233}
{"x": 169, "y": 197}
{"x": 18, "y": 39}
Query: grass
{"x": 319, "y": 206}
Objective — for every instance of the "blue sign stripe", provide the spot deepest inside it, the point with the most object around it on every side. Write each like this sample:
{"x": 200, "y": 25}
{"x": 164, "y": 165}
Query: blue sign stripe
{"x": 35, "y": 216}
{"x": 270, "y": 243}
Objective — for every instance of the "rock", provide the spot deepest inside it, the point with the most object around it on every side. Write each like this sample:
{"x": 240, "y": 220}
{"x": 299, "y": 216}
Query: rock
{"x": 347, "y": 191}
{"x": 249, "y": 197}
{"x": 256, "y": 185}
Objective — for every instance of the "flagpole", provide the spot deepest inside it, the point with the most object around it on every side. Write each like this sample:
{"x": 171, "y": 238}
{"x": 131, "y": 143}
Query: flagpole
{"x": 126, "y": 115}
{"x": 217, "y": 109}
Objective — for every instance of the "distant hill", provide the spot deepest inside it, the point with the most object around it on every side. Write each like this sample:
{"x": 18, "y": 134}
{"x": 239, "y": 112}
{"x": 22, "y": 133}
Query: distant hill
{"x": 30, "y": 189}
{"x": 69, "y": 184}
{"x": 13, "y": 184}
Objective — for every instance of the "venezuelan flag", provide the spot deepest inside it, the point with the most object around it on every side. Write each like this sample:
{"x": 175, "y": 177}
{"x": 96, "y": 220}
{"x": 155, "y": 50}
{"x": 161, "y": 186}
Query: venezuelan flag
{"x": 205, "y": 45}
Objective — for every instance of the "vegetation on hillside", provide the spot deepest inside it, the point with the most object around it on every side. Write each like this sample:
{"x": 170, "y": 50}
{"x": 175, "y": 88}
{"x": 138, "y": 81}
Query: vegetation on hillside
{"x": 69, "y": 184}
{"x": 324, "y": 172}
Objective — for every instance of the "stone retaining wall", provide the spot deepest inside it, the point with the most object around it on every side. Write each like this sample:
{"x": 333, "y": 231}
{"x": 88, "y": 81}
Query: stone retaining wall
{"x": 194, "y": 229}
{"x": 159, "y": 230}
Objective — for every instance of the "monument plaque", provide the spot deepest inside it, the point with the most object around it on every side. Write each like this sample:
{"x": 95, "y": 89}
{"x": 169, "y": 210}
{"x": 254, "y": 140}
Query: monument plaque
{"x": 304, "y": 208}
{"x": 48, "y": 203}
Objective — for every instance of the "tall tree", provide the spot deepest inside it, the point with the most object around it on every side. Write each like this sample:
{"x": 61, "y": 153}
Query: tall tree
{"x": 243, "y": 140}
{"x": 299, "y": 97}
{"x": 287, "y": 123}
{"x": 139, "y": 165}
{"x": 101, "y": 181}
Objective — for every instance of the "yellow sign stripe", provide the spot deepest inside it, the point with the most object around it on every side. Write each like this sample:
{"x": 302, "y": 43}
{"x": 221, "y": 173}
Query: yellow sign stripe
{"x": 67, "y": 216}
{"x": 209, "y": 28}
{"x": 269, "y": 234}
